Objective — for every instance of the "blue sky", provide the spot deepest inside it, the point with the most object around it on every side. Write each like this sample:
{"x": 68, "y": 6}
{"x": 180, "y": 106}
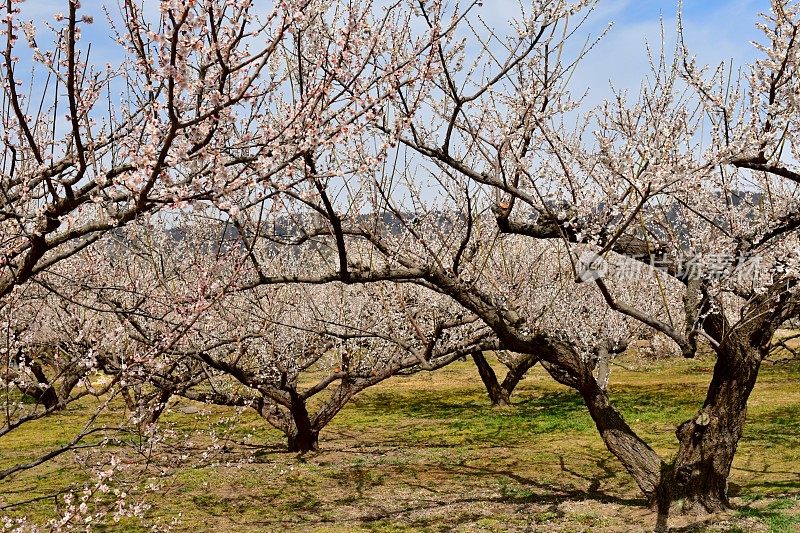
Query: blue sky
{"x": 716, "y": 27}
{"x": 715, "y": 30}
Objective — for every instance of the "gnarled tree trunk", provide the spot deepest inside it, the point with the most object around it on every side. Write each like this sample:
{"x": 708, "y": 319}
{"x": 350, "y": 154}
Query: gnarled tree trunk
{"x": 44, "y": 393}
{"x": 708, "y": 441}
{"x": 651, "y": 474}
{"x": 638, "y": 458}
{"x": 302, "y": 436}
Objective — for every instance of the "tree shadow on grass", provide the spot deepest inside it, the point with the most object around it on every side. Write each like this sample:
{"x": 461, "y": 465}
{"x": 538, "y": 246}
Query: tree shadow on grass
{"x": 467, "y": 418}
{"x": 773, "y": 515}
{"x": 428, "y": 502}
{"x": 552, "y": 493}
{"x": 463, "y": 417}
{"x": 780, "y": 426}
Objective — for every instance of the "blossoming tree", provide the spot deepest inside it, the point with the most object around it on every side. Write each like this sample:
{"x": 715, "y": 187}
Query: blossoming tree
{"x": 492, "y": 134}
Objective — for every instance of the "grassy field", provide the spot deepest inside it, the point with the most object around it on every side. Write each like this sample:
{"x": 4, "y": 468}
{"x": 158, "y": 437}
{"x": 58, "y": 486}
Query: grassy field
{"x": 427, "y": 453}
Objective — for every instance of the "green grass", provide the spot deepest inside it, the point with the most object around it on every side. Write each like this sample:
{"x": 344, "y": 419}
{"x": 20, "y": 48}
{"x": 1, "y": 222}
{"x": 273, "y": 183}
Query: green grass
{"x": 428, "y": 453}
{"x": 774, "y": 515}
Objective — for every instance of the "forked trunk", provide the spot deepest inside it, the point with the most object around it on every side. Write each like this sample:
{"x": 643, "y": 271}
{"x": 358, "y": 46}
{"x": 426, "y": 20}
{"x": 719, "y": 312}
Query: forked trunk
{"x": 708, "y": 441}
{"x": 516, "y": 372}
{"x": 498, "y": 396}
{"x": 44, "y": 393}
{"x": 500, "y": 393}
{"x": 45, "y": 396}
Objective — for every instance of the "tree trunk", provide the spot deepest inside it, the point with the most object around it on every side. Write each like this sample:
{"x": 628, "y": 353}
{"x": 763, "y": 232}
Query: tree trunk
{"x": 45, "y": 396}
{"x": 303, "y": 441}
{"x": 638, "y": 458}
{"x": 516, "y": 372}
{"x": 44, "y": 393}
{"x": 708, "y": 441}
{"x": 497, "y": 394}
{"x": 651, "y": 474}
{"x": 160, "y": 403}
{"x": 302, "y": 437}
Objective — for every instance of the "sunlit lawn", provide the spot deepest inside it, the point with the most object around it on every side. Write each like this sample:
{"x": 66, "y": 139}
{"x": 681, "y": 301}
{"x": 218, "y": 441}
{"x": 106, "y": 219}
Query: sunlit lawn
{"x": 427, "y": 453}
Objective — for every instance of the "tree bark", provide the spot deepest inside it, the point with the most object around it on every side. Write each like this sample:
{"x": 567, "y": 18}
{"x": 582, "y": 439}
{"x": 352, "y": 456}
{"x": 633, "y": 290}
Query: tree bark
{"x": 500, "y": 393}
{"x": 303, "y": 441}
{"x": 302, "y": 436}
{"x": 498, "y": 396}
{"x": 159, "y": 405}
{"x": 44, "y": 393}
{"x": 516, "y": 372}
{"x": 708, "y": 441}
{"x": 651, "y": 474}
{"x": 638, "y": 458}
